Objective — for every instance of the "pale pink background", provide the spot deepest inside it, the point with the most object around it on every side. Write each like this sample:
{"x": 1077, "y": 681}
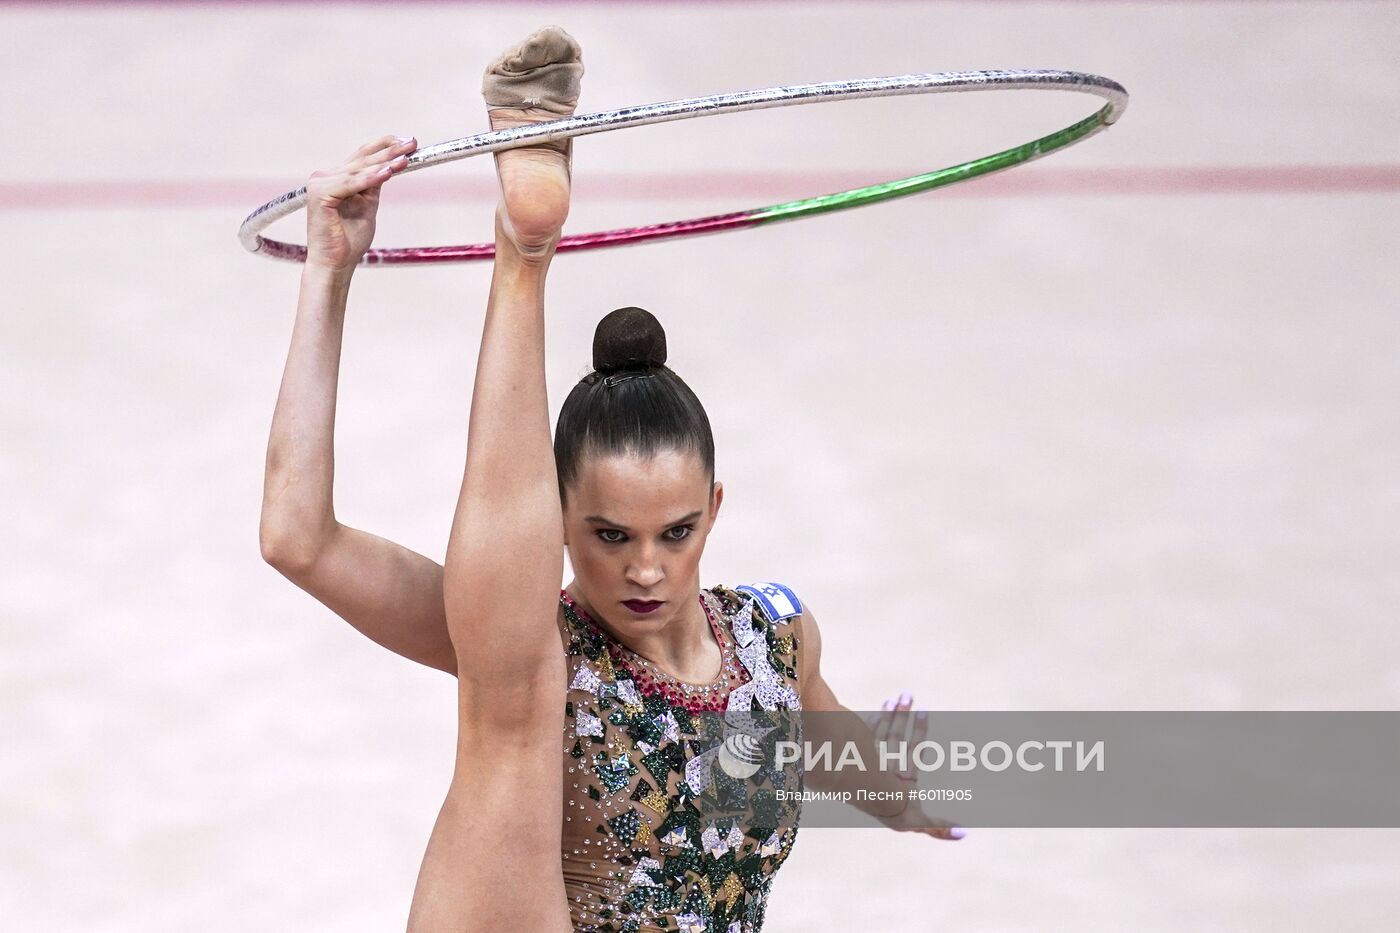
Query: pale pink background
{"x": 1117, "y": 431}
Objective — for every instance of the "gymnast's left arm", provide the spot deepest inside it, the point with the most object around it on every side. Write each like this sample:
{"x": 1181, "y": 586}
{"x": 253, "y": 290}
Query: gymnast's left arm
{"x": 835, "y": 724}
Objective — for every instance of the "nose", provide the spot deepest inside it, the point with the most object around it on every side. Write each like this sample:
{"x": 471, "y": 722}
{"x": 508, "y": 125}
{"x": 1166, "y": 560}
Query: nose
{"x": 645, "y": 570}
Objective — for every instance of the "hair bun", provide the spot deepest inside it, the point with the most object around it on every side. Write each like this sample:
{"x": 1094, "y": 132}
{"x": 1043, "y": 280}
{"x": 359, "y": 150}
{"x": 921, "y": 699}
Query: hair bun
{"x": 628, "y": 338}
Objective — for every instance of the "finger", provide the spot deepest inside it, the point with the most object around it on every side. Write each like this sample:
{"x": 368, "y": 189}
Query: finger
{"x": 943, "y": 829}
{"x": 902, "y": 725}
{"x": 950, "y": 832}
{"x": 903, "y": 732}
{"x": 382, "y": 173}
{"x": 919, "y": 732}
{"x": 376, "y": 145}
{"x": 380, "y": 156}
{"x": 912, "y": 740}
{"x": 344, "y": 184}
{"x": 882, "y": 728}
{"x": 334, "y": 177}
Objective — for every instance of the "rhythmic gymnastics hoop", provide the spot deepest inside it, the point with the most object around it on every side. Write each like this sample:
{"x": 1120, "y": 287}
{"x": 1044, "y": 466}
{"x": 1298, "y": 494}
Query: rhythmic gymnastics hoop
{"x": 250, "y": 233}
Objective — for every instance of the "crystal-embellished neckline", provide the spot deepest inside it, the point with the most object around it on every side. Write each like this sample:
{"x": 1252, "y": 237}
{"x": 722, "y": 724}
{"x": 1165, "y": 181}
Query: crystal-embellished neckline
{"x": 648, "y": 674}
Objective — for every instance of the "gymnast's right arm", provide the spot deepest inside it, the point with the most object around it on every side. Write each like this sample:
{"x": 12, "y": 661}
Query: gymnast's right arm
{"x": 390, "y": 593}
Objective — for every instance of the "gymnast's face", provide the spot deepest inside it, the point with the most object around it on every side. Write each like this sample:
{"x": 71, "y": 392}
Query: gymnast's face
{"x": 635, "y": 528}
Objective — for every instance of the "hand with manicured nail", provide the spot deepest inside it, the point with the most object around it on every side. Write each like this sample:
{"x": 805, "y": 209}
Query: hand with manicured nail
{"x": 899, "y": 722}
{"x": 341, "y": 203}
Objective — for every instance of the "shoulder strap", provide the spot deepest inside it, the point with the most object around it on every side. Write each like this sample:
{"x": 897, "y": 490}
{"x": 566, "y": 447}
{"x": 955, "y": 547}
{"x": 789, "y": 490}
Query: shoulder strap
{"x": 779, "y": 603}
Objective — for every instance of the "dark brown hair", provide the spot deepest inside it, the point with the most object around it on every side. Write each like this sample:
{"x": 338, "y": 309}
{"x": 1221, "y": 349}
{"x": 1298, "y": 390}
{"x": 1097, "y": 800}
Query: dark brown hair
{"x": 632, "y": 402}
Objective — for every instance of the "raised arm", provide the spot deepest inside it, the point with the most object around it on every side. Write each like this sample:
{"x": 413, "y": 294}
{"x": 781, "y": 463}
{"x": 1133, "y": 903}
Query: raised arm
{"x": 386, "y": 591}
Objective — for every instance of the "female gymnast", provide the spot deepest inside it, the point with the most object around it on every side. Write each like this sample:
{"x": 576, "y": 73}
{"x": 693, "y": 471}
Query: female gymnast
{"x": 574, "y": 704}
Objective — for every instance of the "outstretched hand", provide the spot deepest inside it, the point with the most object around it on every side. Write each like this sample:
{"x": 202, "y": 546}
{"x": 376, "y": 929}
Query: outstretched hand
{"x": 898, "y": 721}
{"x": 341, "y": 203}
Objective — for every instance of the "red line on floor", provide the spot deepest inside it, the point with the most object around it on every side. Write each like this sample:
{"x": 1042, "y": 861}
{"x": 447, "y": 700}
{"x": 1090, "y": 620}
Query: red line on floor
{"x": 675, "y": 4}
{"x": 751, "y": 188}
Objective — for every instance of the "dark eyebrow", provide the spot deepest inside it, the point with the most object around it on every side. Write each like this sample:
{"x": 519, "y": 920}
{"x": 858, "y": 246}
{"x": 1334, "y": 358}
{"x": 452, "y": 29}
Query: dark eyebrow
{"x": 599, "y": 519}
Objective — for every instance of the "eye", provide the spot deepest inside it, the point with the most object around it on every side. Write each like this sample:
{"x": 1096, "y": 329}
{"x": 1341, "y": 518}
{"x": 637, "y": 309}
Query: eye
{"x": 685, "y": 528}
{"x": 604, "y": 532}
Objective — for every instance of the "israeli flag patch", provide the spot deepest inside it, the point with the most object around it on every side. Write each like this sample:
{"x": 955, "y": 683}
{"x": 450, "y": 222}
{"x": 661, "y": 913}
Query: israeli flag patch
{"x": 778, "y": 601}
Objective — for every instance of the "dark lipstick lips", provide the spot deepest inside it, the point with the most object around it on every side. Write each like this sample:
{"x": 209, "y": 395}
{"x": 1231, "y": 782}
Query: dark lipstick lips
{"x": 641, "y": 605}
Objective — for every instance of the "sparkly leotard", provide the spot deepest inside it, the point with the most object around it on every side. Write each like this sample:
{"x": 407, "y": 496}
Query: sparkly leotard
{"x": 641, "y": 852}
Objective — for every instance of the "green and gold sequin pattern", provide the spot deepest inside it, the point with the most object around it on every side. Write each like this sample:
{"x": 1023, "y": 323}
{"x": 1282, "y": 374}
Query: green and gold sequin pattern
{"x": 642, "y": 851}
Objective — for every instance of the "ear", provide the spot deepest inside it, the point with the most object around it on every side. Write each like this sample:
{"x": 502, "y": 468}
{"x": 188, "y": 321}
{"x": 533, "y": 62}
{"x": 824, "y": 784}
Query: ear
{"x": 718, "y": 494}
